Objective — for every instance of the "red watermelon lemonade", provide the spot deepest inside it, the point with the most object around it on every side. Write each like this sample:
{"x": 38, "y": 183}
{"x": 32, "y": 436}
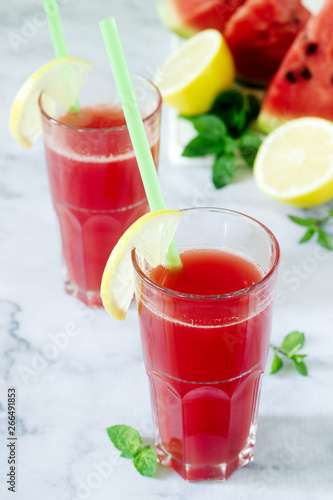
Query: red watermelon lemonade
{"x": 205, "y": 333}
{"x": 96, "y": 186}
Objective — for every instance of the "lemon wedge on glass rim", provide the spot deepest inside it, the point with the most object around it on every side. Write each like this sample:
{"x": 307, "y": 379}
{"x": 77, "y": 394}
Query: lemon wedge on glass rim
{"x": 294, "y": 164}
{"x": 151, "y": 235}
{"x": 200, "y": 69}
{"x": 61, "y": 80}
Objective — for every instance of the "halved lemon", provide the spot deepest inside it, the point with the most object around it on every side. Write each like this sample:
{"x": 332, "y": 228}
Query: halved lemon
{"x": 294, "y": 164}
{"x": 61, "y": 80}
{"x": 191, "y": 79}
{"x": 151, "y": 235}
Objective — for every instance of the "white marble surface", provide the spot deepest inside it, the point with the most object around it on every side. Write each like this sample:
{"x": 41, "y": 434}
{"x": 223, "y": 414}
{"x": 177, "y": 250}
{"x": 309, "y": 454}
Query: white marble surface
{"x": 77, "y": 371}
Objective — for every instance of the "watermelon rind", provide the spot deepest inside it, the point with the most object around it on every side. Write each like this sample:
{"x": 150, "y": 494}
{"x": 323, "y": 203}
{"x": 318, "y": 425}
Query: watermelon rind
{"x": 169, "y": 16}
{"x": 268, "y": 122}
{"x": 303, "y": 83}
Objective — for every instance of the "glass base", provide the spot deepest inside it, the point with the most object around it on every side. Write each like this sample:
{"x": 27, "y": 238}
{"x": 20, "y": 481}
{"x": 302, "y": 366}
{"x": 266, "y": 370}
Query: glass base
{"x": 213, "y": 472}
{"x": 88, "y": 297}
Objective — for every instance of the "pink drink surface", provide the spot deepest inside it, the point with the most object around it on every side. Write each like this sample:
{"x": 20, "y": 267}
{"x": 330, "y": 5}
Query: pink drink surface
{"x": 205, "y": 378}
{"x": 96, "y": 188}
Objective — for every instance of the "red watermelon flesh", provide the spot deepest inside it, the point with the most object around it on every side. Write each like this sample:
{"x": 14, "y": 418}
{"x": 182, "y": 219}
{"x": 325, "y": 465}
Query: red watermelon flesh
{"x": 260, "y": 33}
{"x": 206, "y": 14}
{"x": 303, "y": 85}
{"x": 187, "y": 17}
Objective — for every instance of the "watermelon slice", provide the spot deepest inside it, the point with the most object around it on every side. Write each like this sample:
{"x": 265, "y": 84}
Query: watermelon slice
{"x": 260, "y": 33}
{"x": 188, "y": 17}
{"x": 303, "y": 85}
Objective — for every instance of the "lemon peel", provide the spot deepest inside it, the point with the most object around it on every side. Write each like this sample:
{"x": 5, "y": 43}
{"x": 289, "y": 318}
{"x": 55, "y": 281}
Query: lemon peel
{"x": 61, "y": 80}
{"x": 201, "y": 68}
{"x": 151, "y": 235}
{"x": 294, "y": 164}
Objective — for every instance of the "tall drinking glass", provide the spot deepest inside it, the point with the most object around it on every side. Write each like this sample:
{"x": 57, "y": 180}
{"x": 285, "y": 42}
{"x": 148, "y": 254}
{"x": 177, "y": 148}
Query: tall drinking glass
{"x": 205, "y": 354}
{"x": 94, "y": 178}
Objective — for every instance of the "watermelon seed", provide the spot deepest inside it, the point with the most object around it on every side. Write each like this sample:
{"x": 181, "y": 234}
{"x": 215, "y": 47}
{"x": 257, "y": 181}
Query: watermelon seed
{"x": 296, "y": 20}
{"x": 311, "y": 48}
{"x": 305, "y": 73}
{"x": 291, "y": 77}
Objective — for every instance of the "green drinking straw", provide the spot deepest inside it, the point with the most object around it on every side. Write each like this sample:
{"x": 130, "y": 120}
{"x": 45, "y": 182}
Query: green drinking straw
{"x": 57, "y": 35}
{"x": 135, "y": 126}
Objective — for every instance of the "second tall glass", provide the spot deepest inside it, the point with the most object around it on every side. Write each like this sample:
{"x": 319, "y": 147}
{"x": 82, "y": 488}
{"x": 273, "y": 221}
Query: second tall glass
{"x": 205, "y": 354}
{"x": 94, "y": 178}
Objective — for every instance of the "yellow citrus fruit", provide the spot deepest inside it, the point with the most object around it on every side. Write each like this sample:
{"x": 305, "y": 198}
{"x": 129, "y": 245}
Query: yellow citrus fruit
{"x": 151, "y": 235}
{"x": 294, "y": 164}
{"x": 192, "y": 78}
{"x": 61, "y": 80}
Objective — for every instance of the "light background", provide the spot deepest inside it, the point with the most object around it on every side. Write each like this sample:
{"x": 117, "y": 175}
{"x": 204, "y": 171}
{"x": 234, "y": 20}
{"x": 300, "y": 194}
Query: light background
{"x": 96, "y": 377}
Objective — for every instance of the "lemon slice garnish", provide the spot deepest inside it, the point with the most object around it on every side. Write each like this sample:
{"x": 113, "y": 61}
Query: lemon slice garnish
{"x": 151, "y": 235}
{"x": 61, "y": 80}
{"x": 294, "y": 164}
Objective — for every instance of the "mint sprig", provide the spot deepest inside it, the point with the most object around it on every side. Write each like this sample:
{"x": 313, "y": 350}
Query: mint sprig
{"x": 145, "y": 461}
{"x": 315, "y": 227}
{"x": 248, "y": 145}
{"x": 223, "y": 132}
{"x": 129, "y": 442}
{"x": 236, "y": 110}
{"x": 289, "y": 348}
{"x": 223, "y": 169}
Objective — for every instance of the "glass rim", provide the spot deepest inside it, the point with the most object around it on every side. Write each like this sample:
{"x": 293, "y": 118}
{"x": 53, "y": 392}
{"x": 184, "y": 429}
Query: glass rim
{"x": 223, "y": 296}
{"x": 107, "y": 129}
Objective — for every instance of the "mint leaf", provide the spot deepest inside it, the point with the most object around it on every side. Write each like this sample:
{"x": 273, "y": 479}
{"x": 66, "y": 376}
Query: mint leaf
{"x": 303, "y": 222}
{"x": 126, "y": 439}
{"x": 324, "y": 239}
{"x": 229, "y": 118}
{"x": 229, "y": 145}
{"x": 238, "y": 122}
{"x": 145, "y": 461}
{"x": 298, "y": 357}
{"x": 308, "y": 235}
{"x": 276, "y": 364}
{"x": 208, "y": 125}
{"x": 253, "y": 107}
{"x": 203, "y": 145}
{"x": 249, "y": 144}
{"x": 229, "y": 106}
{"x": 236, "y": 110}
{"x": 228, "y": 99}
{"x": 292, "y": 343}
{"x": 300, "y": 366}
{"x": 223, "y": 170}
{"x": 315, "y": 227}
